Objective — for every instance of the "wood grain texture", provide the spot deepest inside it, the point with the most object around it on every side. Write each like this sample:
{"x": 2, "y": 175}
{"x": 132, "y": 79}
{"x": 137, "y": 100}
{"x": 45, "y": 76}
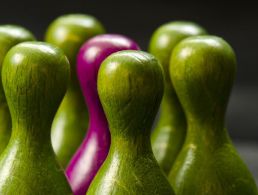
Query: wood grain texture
{"x": 69, "y": 32}
{"x": 93, "y": 151}
{"x": 169, "y": 134}
{"x": 10, "y": 35}
{"x": 35, "y": 76}
{"x": 203, "y": 70}
{"x": 130, "y": 87}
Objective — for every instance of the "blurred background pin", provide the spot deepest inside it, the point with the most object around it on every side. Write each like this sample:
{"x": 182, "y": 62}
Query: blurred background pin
{"x": 10, "y": 35}
{"x": 169, "y": 133}
{"x": 69, "y": 32}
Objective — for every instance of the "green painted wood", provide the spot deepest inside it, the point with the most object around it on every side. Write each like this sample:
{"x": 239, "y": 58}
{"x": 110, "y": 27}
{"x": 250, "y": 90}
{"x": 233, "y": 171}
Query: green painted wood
{"x": 69, "y": 32}
{"x": 169, "y": 134}
{"x": 130, "y": 87}
{"x": 10, "y": 35}
{"x": 203, "y": 69}
{"x": 35, "y": 76}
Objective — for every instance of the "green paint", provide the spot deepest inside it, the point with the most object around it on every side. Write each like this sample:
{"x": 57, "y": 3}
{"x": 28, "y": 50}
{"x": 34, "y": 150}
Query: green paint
{"x": 10, "y": 35}
{"x": 69, "y": 32}
{"x": 35, "y": 77}
{"x": 130, "y": 86}
{"x": 169, "y": 133}
{"x": 203, "y": 69}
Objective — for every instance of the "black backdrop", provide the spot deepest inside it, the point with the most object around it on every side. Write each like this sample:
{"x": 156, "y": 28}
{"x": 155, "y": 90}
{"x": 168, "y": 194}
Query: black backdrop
{"x": 237, "y": 23}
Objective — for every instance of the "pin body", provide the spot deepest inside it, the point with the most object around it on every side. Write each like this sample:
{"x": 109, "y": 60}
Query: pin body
{"x": 202, "y": 71}
{"x": 31, "y": 74}
{"x": 169, "y": 134}
{"x": 94, "y": 149}
{"x": 10, "y": 35}
{"x": 69, "y": 32}
{"x": 130, "y": 87}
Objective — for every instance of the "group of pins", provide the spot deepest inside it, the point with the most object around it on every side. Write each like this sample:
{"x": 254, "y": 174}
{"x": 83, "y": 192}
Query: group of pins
{"x": 81, "y": 78}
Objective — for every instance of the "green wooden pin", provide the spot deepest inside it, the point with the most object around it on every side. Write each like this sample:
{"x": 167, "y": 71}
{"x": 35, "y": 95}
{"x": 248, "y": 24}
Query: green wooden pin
{"x": 203, "y": 69}
{"x": 35, "y": 76}
{"x": 130, "y": 87}
{"x": 169, "y": 133}
{"x": 69, "y": 32}
{"x": 10, "y": 35}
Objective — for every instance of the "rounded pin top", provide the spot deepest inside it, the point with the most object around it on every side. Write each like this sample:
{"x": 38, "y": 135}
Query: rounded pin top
{"x": 91, "y": 55}
{"x": 167, "y": 36}
{"x": 130, "y": 86}
{"x": 203, "y": 69}
{"x": 15, "y": 32}
{"x": 70, "y": 31}
{"x": 11, "y": 35}
{"x": 35, "y": 77}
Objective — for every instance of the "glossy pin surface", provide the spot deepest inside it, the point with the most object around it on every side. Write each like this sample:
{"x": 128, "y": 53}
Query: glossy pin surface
{"x": 69, "y": 32}
{"x": 203, "y": 70}
{"x": 35, "y": 77}
{"x": 94, "y": 149}
{"x": 169, "y": 134}
{"x": 130, "y": 87}
{"x": 10, "y": 35}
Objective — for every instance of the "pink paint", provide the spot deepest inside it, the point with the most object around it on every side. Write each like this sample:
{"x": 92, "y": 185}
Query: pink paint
{"x": 94, "y": 149}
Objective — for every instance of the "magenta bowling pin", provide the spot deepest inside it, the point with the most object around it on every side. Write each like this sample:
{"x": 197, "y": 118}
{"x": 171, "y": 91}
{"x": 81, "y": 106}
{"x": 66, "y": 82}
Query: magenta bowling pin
{"x": 94, "y": 149}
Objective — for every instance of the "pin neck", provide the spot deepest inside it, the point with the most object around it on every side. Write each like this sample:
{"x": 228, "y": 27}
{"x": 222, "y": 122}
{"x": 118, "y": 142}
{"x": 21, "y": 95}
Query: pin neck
{"x": 2, "y": 96}
{"x": 74, "y": 83}
{"x": 171, "y": 110}
{"x": 97, "y": 117}
{"x": 132, "y": 145}
{"x": 34, "y": 139}
{"x": 37, "y": 129}
{"x": 211, "y": 131}
{"x": 73, "y": 90}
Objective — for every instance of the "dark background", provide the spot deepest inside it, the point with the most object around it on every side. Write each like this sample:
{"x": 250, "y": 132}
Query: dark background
{"x": 236, "y": 23}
